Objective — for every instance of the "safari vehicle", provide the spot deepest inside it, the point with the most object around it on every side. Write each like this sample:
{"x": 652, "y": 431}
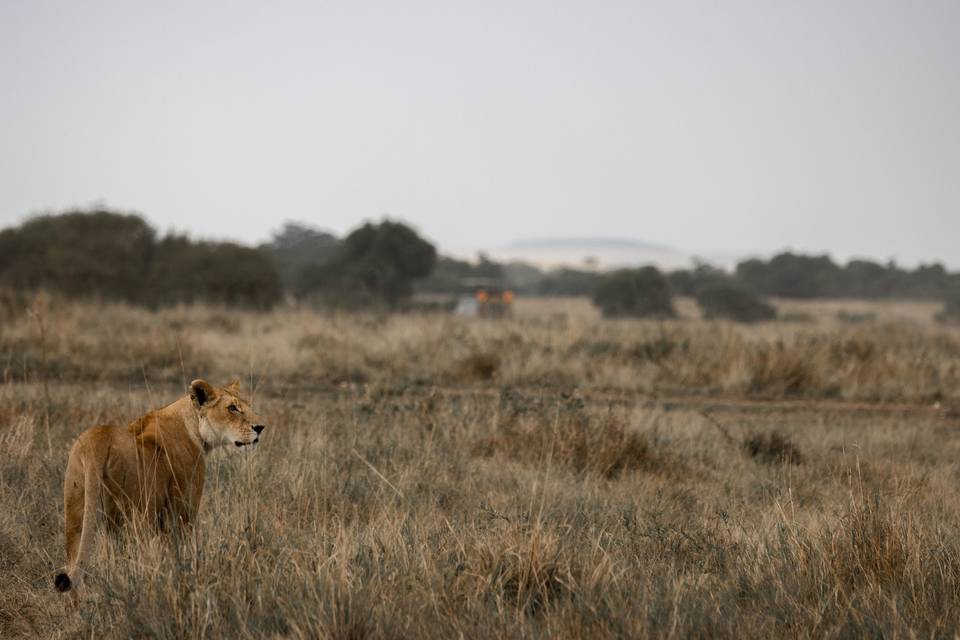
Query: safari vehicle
{"x": 485, "y": 298}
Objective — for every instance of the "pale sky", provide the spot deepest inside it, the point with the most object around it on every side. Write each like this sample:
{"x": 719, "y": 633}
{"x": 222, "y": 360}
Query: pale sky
{"x": 708, "y": 126}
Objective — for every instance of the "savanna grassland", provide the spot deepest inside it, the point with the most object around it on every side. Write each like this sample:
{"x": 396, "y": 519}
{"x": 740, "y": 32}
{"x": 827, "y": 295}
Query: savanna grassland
{"x": 553, "y": 475}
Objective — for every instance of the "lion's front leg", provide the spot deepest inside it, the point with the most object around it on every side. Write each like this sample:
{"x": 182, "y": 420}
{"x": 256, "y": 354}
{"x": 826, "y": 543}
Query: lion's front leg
{"x": 184, "y": 503}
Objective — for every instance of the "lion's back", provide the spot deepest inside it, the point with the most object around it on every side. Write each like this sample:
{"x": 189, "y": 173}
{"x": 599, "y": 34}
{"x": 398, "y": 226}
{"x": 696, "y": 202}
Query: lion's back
{"x": 109, "y": 448}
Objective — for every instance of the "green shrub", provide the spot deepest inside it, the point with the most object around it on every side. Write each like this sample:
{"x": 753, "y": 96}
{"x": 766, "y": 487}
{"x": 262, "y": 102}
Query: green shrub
{"x": 634, "y": 293}
{"x": 733, "y": 301}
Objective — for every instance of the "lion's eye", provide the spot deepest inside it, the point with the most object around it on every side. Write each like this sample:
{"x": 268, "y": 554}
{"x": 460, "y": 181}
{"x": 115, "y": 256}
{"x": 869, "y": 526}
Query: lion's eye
{"x": 234, "y": 408}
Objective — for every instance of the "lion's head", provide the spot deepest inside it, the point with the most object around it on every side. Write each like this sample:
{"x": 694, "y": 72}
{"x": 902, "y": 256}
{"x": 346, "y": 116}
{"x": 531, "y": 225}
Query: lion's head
{"x": 226, "y": 419}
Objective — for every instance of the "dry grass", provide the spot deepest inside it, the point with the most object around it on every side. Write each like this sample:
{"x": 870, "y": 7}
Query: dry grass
{"x": 920, "y": 312}
{"x": 890, "y": 362}
{"x": 430, "y": 477}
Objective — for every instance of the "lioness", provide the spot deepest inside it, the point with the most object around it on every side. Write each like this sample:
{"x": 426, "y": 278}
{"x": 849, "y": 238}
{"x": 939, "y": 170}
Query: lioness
{"x": 152, "y": 469}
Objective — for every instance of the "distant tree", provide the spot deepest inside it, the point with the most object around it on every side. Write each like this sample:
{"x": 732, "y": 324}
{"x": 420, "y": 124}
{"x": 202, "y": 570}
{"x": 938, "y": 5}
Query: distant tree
{"x": 447, "y": 276}
{"x": 450, "y": 275}
{"x": 681, "y": 282}
{"x": 184, "y": 271}
{"x": 523, "y": 277}
{"x": 110, "y": 255}
{"x": 569, "y": 282}
{"x": 734, "y": 301}
{"x": 685, "y": 282}
{"x": 926, "y": 281}
{"x": 487, "y": 268}
{"x": 790, "y": 275}
{"x": 78, "y": 253}
{"x": 633, "y": 293}
{"x": 375, "y": 265}
{"x": 754, "y": 274}
{"x": 296, "y": 247}
{"x": 866, "y": 279}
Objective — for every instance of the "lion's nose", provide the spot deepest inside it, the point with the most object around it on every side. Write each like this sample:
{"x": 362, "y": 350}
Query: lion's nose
{"x": 257, "y": 428}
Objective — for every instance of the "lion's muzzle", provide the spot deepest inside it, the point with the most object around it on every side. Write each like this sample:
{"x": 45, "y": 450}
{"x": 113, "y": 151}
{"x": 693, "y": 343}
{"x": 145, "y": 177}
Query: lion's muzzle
{"x": 257, "y": 428}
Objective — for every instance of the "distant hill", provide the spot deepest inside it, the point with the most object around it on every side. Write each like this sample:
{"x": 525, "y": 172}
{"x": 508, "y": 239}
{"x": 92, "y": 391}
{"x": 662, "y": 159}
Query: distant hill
{"x": 595, "y": 253}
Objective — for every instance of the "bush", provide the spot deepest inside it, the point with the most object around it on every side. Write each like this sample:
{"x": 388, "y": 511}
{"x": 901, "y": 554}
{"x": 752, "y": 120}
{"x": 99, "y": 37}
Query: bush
{"x": 296, "y": 247}
{"x": 733, "y": 301}
{"x": 113, "y": 256}
{"x": 686, "y": 282}
{"x": 211, "y": 272}
{"x": 772, "y": 448}
{"x": 375, "y": 265}
{"x": 791, "y": 276}
{"x": 584, "y": 442}
{"x": 450, "y": 274}
{"x": 568, "y": 282}
{"x": 633, "y": 293}
{"x": 78, "y": 253}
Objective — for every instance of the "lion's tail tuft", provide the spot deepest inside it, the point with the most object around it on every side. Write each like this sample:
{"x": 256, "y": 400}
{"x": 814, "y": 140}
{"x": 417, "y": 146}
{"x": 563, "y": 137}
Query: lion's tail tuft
{"x": 62, "y": 582}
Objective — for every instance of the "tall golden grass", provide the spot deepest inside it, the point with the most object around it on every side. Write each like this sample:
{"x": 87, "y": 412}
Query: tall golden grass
{"x": 427, "y": 476}
{"x": 872, "y": 361}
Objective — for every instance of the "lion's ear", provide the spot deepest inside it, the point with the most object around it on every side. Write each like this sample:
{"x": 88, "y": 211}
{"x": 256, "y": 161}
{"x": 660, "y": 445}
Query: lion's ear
{"x": 234, "y": 387}
{"x": 201, "y": 391}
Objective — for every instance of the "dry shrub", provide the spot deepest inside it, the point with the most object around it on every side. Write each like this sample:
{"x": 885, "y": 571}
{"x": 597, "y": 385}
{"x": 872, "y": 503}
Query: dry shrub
{"x": 526, "y": 569}
{"x": 853, "y": 317}
{"x": 796, "y": 317}
{"x": 605, "y": 448}
{"x": 656, "y": 350}
{"x": 852, "y": 349}
{"x": 528, "y": 573}
{"x": 875, "y": 544}
{"x": 599, "y": 444}
{"x": 779, "y": 370}
{"x": 477, "y": 367}
{"x": 344, "y": 373}
{"x": 772, "y": 448}
{"x": 13, "y": 304}
{"x": 344, "y": 614}
{"x": 221, "y": 320}
{"x": 690, "y": 543}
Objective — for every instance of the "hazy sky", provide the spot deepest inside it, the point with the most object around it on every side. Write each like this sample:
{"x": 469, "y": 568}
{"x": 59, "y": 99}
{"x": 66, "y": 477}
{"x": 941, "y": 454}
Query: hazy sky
{"x": 709, "y": 126}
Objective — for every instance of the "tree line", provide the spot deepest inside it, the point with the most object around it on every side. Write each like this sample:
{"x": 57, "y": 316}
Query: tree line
{"x": 739, "y": 295}
{"x": 790, "y": 275}
{"x": 119, "y": 256}
{"x": 116, "y": 256}
{"x": 109, "y": 255}
{"x": 787, "y": 275}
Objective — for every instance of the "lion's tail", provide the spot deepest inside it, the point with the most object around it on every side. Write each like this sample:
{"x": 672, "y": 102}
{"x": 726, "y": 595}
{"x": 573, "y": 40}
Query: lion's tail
{"x": 88, "y": 526}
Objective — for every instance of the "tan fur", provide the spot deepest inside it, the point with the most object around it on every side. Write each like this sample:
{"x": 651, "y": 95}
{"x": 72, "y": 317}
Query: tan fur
{"x": 153, "y": 470}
